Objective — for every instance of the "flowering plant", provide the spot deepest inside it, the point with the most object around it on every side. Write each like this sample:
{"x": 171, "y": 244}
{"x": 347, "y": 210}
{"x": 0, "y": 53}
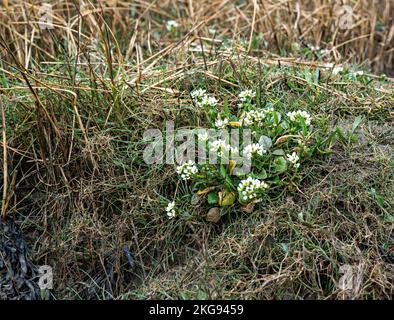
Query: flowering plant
{"x": 278, "y": 144}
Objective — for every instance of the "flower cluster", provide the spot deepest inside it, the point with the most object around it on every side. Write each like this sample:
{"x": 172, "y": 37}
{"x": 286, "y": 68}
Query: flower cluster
{"x": 202, "y": 99}
{"x": 221, "y": 124}
{"x": 247, "y": 95}
{"x": 318, "y": 50}
{"x": 354, "y": 74}
{"x": 221, "y": 147}
{"x": 253, "y": 117}
{"x": 293, "y": 159}
{"x": 170, "y": 209}
{"x": 198, "y": 93}
{"x": 249, "y": 188}
{"x": 294, "y": 116}
{"x": 266, "y": 128}
{"x": 335, "y": 69}
{"x": 254, "y": 148}
{"x": 187, "y": 170}
{"x": 203, "y": 136}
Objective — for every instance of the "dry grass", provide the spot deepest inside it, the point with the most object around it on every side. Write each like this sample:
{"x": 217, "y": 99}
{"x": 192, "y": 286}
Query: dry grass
{"x": 77, "y": 99}
{"x": 133, "y": 32}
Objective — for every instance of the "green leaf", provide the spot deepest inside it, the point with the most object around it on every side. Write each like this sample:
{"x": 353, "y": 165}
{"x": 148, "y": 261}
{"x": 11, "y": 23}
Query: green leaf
{"x": 388, "y": 217}
{"x": 308, "y": 76}
{"x": 340, "y": 134}
{"x": 212, "y": 115}
{"x": 356, "y": 123}
{"x": 378, "y": 198}
{"x": 284, "y": 125}
{"x": 266, "y": 142}
{"x": 317, "y": 75}
{"x": 184, "y": 296}
{"x": 262, "y": 175}
{"x": 280, "y": 164}
{"x": 201, "y": 295}
{"x": 213, "y": 197}
{"x": 258, "y": 96}
{"x": 277, "y": 181}
{"x": 278, "y": 152}
{"x": 223, "y": 171}
{"x": 277, "y": 117}
{"x": 226, "y": 110}
{"x": 291, "y": 85}
{"x": 304, "y": 126}
{"x": 226, "y": 198}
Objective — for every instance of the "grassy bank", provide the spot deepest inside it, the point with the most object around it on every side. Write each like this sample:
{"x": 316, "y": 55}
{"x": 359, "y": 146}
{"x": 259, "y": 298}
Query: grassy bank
{"x": 77, "y": 99}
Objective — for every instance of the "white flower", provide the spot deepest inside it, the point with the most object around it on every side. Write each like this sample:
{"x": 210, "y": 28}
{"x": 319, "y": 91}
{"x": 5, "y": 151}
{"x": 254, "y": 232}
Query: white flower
{"x": 203, "y": 136}
{"x": 209, "y": 101}
{"x": 293, "y": 159}
{"x": 253, "y": 117}
{"x": 221, "y": 124}
{"x": 212, "y": 30}
{"x": 358, "y": 73}
{"x": 254, "y": 148}
{"x": 314, "y": 48}
{"x": 335, "y": 70}
{"x": 171, "y": 25}
{"x": 187, "y": 170}
{"x": 221, "y": 147}
{"x": 249, "y": 188}
{"x": 256, "y": 117}
{"x": 198, "y": 93}
{"x": 201, "y": 98}
{"x": 170, "y": 209}
{"x": 295, "y": 115}
{"x": 247, "y": 95}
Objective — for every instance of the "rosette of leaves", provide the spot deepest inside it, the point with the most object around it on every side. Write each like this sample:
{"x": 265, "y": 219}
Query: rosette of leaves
{"x": 278, "y": 135}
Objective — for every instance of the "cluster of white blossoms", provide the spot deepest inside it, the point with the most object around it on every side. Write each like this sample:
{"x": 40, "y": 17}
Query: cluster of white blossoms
{"x": 249, "y": 188}
{"x": 198, "y": 93}
{"x": 253, "y": 117}
{"x": 246, "y": 95}
{"x": 269, "y": 110}
{"x": 335, "y": 69}
{"x": 293, "y": 159}
{"x": 295, "y": 115}
{"x": 256, "y": 116}
{"x": 203, "y": 136}
{"x": 202, "y": 99}
{"x": 319, "y": 50}
{"x": 357, "y": 73}
{"x": 170, "y": 209}
{"x": 221, "y": 124}
{"x": 253, "y": 149}
{"x": 209, "y": 101}
{"x": 171, "y": 25}
{"x": 221, "y": 147}
{"x": 187, "y": 170}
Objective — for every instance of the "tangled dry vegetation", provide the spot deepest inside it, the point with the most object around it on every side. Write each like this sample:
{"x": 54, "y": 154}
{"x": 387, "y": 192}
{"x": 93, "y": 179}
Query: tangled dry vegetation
{"x": 76, "y": 99}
